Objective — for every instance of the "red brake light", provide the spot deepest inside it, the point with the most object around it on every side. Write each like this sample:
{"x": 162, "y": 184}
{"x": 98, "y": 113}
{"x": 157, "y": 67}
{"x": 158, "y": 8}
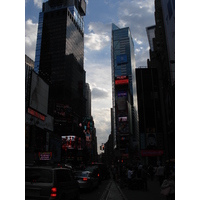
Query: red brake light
{"x": 84, "y": 179}
{"x": 98, "y": 175}
{"x": 53, "y": 192}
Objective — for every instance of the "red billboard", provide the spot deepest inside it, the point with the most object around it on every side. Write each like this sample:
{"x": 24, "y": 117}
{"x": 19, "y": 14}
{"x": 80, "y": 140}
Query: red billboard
{"x": 68, "y": 142}
{"x": 120, "y": 80}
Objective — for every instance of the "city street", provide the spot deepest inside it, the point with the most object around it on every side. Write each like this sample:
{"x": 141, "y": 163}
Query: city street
{"x": 110, "y": 190}
{"x": 96, "y": 193}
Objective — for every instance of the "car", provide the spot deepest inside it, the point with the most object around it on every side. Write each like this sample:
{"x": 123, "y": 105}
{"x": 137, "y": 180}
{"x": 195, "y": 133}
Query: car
{"x": 95, "y": 170}
{"x": 50, "y": 183}
{"x": 103, "y": 170}
{"x": 87, "y": 180}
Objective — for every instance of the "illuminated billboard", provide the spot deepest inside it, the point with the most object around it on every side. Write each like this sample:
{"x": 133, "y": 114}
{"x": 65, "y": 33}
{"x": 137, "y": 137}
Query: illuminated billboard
{"x": 39, "y": 94}
{"x": 122, "y": 119}
{"x": 121, "y": 100}
{"x": 120, "y": 80}
{"x": 122, "y": 59}
{"x": 68, "y": 142}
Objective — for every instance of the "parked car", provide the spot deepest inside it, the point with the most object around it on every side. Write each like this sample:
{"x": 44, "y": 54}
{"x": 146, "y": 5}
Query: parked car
{"x": 87, "y": 180}
{"x": 49, "y": 183}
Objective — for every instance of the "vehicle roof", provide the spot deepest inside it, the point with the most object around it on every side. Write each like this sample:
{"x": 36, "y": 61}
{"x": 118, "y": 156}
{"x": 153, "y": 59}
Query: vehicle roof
{"x": 47, "y": 167}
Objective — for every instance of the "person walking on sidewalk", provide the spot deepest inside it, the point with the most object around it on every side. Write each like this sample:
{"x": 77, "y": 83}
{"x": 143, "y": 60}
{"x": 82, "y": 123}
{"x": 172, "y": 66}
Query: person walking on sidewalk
{"x": 168, "y": 188}
{"x": 160, "y": 172}
{"x": 129, "y": 176}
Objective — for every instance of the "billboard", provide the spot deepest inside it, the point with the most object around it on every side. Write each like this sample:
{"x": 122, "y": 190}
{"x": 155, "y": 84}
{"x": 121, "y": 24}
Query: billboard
{"x": 121, "y": 80}
{"x": 122, "y": 59}
{"x": 121, "y": 100}
{"x": 45, "y": 155}
{"x": 68, "y": 142}
{"x": 39, "y": 94}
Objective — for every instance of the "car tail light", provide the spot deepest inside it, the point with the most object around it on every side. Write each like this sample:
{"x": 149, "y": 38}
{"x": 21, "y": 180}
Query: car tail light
{"x": 84, "y": 179}
{"x": 53, "y": 192}
{"x": 98, "y": 175}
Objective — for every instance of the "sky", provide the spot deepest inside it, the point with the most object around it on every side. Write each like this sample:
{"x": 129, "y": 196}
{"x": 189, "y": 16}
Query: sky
{"x": 100, "y": 14}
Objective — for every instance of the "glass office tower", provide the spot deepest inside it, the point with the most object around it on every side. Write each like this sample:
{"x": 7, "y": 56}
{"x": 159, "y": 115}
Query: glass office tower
{"x": 60, "y": 53}
{"x": 124, "y": 93}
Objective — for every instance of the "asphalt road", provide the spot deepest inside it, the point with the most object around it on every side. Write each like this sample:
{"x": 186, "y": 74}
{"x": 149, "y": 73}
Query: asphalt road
{"x": 96, "y": 193}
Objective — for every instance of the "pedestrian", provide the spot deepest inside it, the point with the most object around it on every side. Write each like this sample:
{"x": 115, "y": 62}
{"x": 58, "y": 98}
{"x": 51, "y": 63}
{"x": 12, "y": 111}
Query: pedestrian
{"x": 168, "y": 188}
{"x": 129, "y": 176}
{"x": 160, "y": 172}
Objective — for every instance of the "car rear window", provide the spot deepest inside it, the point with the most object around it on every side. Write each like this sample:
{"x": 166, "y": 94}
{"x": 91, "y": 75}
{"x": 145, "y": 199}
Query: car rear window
{"x": 82, "y": 174}
{"x": 38, "y": 175}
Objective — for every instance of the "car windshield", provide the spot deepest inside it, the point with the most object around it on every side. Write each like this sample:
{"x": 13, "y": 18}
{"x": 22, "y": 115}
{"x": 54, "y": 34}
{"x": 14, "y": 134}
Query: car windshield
{"x": 38, "y": 175}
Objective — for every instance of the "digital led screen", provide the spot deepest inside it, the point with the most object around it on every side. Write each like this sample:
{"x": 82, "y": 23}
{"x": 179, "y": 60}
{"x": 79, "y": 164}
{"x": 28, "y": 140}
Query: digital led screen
{"x": 121, "y": 59}
{"x": 122, "y": 94}
{"x": 39, "y": 94}
{"x": 68, "y": 142}
{"x": 122, "y": 119}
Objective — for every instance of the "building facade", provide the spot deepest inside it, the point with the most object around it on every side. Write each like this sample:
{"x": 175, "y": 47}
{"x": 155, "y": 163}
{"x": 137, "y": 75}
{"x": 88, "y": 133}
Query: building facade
{"x": 60, "y": 54}
{"x": 150, "y": 123}
{"x": 88, "y": 100}
{"x": 162, "y": 58}
{"x": 124, "y": 94}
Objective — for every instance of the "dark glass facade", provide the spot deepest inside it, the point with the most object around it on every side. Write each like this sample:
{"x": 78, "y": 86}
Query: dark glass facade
{"x": 150, "y": 114}
{"x": 59, "y": 56}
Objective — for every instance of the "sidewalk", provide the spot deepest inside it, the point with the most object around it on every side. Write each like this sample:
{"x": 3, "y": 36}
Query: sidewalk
{"x": 152, "y": 193}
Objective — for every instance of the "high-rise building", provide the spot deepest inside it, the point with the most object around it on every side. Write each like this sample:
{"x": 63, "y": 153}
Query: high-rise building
{"x": 60, "y": 54}
{"x": 162, "y": 58}
{"x": 150, "y": 123}
{"x": 88, "y": 100}
{"x": 124, "y": 93}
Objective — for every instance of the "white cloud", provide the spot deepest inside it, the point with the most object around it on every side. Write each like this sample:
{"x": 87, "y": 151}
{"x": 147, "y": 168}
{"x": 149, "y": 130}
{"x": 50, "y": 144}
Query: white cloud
{"x": 102, "y": 123}
{"x": 30, "y": 38}
{"x": 38, "y": 3}
{"x": 98, "y": 37}
{"x": 99, "y": 93}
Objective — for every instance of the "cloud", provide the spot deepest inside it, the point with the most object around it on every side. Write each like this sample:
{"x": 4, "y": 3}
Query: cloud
{"x": 137, "y": 14}
{"x": 98, "y": 37}
{"x": 99, "y": 93}
{"x": 30, "y": 38}
{"x": 38, "y": 3}
{"x": 102, "y": 123}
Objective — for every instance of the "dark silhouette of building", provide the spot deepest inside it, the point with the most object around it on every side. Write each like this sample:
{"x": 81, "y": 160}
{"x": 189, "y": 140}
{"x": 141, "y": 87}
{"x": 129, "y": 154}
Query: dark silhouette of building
{"x": 160, "y": 59}
{"x": 60, "y": 53}
{"x": 150, "y": 118}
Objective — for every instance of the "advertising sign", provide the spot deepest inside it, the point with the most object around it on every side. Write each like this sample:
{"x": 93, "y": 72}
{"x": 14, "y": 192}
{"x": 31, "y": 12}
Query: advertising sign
{"x": 39, "y": 94}
{"x": 121, "y": 80}
{"x": 121, "y": 59}
{"x": 45, "y": 155}
{"x": 68, "y": 142}
{"x": 151, "y": 141}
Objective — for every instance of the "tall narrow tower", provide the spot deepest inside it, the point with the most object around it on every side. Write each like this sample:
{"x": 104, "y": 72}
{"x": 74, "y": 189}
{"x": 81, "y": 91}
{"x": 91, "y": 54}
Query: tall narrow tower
{"x": 124, "y": 93}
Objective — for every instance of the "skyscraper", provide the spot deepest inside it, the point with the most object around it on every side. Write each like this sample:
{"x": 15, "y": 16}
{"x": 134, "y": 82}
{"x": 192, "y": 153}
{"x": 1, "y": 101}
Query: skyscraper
{"x": 60, "y": 53}
{"x": 88, "y": 100}
{"x": 124, "y": 93}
